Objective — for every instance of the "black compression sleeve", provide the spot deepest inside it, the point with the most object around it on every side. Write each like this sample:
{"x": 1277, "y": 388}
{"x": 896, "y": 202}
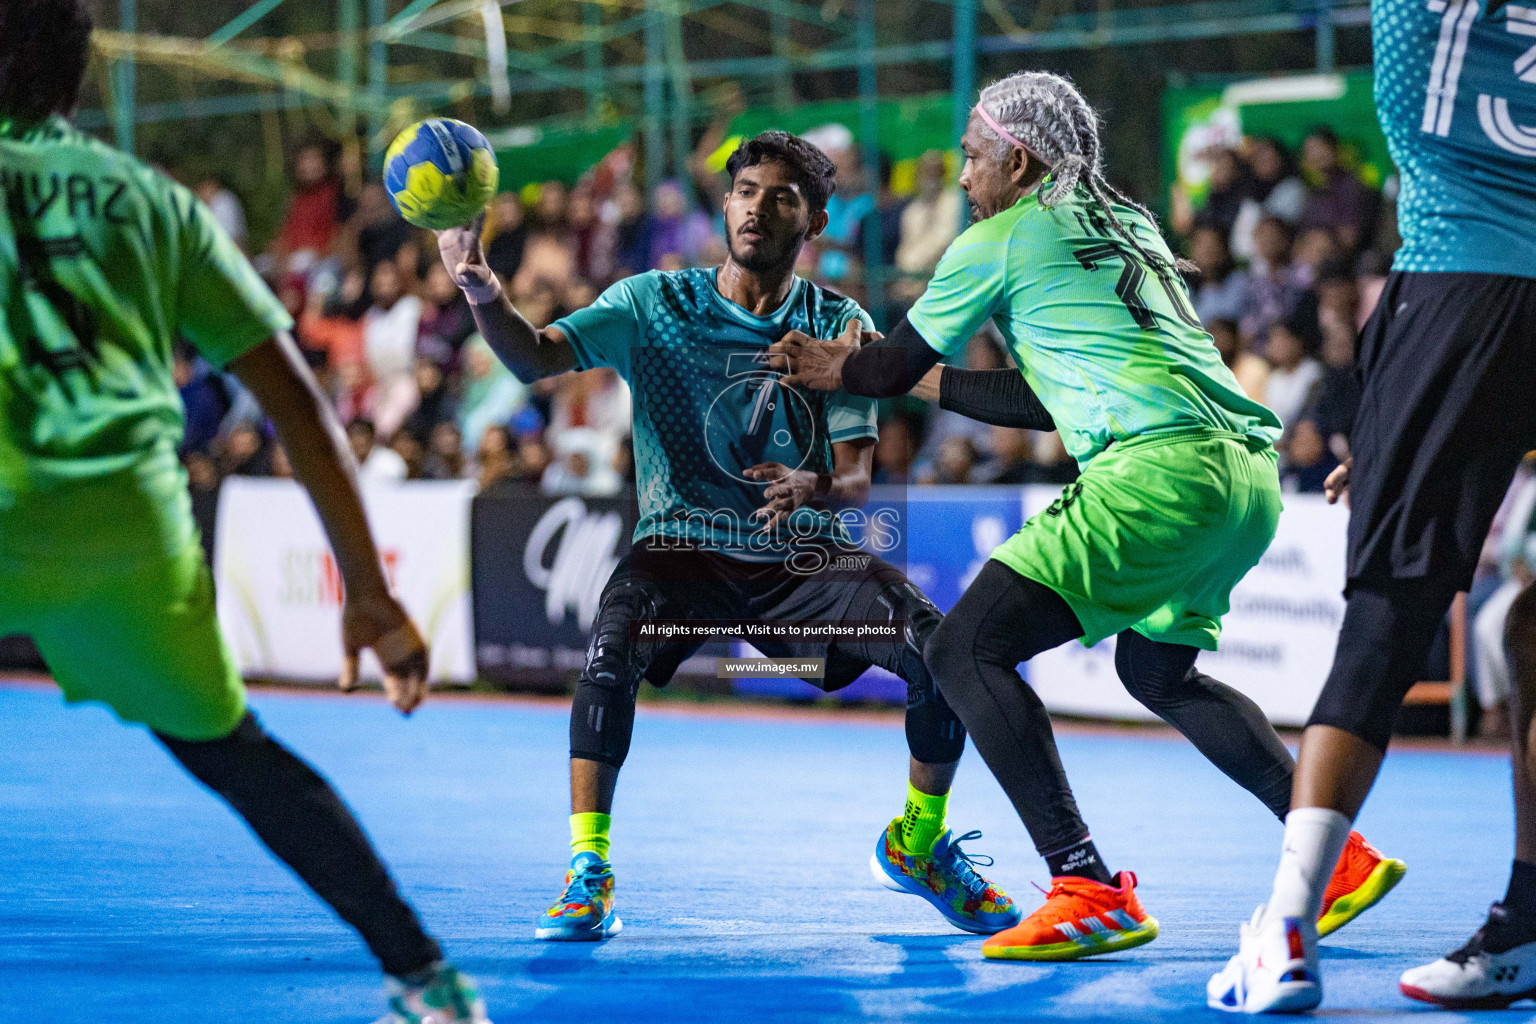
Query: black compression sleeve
{"x": 1002, "y": 398}
{"x": 891, "y": 366}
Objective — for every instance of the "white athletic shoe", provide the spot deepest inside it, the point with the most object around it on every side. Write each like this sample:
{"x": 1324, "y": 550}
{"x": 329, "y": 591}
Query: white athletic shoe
{"x": 1274, "y": 971}
{"x": 1488, "y": 973}
{"x": 442, "y": 996}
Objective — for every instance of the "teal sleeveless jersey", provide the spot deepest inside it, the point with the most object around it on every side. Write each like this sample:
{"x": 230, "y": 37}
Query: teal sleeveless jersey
{"x": 1108, "y": 342}
{"x": 707, "y": 407}
{"x": 1456, "y": 94}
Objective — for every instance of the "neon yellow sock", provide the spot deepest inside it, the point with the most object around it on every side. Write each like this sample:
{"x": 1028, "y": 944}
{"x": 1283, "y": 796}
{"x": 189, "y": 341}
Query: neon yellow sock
{"x": 589, "y": 833}
{"x": 923, "y": 820}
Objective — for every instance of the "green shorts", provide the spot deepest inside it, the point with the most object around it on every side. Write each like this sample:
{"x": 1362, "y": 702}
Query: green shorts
{"x": 109, "y": 580}
{"x": 1154, "y": 535}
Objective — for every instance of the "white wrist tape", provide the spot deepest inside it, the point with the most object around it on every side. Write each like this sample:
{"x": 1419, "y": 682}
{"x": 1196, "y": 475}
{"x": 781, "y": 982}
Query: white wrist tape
{"x": 481, "y": 294}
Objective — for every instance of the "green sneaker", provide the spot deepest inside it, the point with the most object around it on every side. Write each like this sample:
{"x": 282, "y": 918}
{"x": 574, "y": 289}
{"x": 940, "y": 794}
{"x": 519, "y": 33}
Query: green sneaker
{"x": 439, "y": 995}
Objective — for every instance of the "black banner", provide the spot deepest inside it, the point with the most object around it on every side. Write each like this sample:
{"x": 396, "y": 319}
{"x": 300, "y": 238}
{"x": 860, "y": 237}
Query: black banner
{"x": 538, "y": 564}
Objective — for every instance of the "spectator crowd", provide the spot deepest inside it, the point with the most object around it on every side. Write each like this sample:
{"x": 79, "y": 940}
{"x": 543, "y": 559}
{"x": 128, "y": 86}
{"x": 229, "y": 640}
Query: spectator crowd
{"x": 393, "y": 341}
{"x": 1292, "y": 251}
{"x": 1291, "y": 254}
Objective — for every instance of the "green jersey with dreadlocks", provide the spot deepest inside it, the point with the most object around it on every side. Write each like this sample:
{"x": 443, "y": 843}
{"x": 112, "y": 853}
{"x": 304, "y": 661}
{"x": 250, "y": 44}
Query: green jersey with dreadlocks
{"x": 1102, "y": 329}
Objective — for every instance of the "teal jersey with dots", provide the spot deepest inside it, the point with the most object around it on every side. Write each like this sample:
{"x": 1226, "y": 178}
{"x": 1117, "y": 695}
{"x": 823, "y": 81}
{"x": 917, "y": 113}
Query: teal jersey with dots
{"x": 1107, "y": 340}
{"x": 707, "y": 407}
{"x": 1456, "y": 93}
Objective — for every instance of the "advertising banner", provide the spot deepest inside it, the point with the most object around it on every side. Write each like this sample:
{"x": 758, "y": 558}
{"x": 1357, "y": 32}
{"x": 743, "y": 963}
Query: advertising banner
{"x": 535, "y": 566}
{"x": 279, "y": 589}
{"x": 539, "y": 566}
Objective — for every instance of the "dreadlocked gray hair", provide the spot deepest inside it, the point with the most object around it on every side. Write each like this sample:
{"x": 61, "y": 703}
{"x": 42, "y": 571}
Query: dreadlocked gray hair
{"x": 1048, "y": 114}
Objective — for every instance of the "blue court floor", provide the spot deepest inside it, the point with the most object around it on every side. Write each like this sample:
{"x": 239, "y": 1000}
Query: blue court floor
{"x": 741, "y": 846}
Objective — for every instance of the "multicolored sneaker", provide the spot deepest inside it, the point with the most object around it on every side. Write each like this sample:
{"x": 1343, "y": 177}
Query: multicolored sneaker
{"x": 1080, "y": 917}
{"x": 440, "y": 995}
{"x": 584, "y": 912}
{"x": 946, "y": 878}
{"x": 1495, "y": 968}
{"x": 1360, "y": 879}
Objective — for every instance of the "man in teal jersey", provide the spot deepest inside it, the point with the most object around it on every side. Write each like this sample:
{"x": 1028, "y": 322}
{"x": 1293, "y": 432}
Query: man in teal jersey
{"x": 103, "y": 263}
{"x": 1447, "y": 367}
{"x": 1178, "y": 497}
{"x": 747, "y": 490}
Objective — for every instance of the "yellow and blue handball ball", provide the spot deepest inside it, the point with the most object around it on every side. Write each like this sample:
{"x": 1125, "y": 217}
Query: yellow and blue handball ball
{"x": 440, "y": 173}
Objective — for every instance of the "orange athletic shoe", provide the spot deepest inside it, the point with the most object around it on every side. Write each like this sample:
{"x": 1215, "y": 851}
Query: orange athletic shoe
{"x": 1361, "y": 878}
{"x": 1080, "y": 918}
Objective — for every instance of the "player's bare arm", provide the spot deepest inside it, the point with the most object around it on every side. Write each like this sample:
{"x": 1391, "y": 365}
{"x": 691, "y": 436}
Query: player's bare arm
{"x": 530, "y": 353}
{"x": 317, "y": 447}
{"x": 847, "y": 486}
{"x": 927, "y": 389}
{"x": 1337, "y": 484}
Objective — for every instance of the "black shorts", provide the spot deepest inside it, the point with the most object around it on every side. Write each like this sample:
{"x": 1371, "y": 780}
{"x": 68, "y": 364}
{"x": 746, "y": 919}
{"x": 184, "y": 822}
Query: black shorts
{"x": 686, "y": 584}
{"x": 1448, "y": 409}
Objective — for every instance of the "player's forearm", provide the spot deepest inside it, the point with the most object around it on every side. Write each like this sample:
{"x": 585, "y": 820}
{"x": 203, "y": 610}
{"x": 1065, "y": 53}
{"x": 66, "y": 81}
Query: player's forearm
{"x": 525, "y": 350}
{"x": 927, "y": 389}
{"x": 317, "y": 449}
{"x": 846, "y": 488}
{"x": 890, "y": 367}
{"x": 1002, "y": 398}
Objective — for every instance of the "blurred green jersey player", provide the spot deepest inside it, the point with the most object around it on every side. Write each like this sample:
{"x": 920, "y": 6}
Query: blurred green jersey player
{"x": 103, "y": 263}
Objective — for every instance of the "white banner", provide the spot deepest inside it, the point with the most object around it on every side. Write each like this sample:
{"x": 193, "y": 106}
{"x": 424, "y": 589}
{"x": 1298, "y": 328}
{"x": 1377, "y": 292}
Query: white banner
{"x": 280, "y": 591}
{"x": 1276, "y": 643}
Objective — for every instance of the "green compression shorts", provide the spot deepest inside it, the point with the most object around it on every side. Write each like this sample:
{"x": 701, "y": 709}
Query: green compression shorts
{"x": 1154, "y": 535}
{"x": 109, "y": 580}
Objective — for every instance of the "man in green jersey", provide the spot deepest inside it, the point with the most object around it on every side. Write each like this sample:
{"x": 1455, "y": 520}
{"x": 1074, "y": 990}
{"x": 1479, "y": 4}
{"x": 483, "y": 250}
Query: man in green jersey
{"x": 103, "y": 263}
{"x": 1178, "y": 498}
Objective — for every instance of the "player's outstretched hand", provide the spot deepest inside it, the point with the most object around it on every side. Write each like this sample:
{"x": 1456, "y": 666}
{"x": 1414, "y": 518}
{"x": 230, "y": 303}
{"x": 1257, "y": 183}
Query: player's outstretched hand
{"x": 1337, "y": 484}
{"x": 464, "y": 257}
{"x": 380, "y": 622}
{"x": 816, "y": 364}
{"x": 787, "y": 490}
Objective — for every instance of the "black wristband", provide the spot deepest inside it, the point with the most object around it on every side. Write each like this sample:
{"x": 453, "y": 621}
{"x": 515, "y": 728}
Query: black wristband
{"x": 891, "y": 366}
{"x": 1002, "y": 398}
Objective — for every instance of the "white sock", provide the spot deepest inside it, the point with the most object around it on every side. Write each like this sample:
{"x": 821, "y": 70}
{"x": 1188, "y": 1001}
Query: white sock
{"x": 1314, "y": 839}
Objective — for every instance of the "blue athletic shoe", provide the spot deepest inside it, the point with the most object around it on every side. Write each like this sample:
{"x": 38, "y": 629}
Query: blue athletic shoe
{"x": 946, "y": 878}
{"x": 584, "y": 912}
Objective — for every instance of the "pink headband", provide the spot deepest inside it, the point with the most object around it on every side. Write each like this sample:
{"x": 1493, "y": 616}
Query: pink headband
{"x": 1006, "y": 135}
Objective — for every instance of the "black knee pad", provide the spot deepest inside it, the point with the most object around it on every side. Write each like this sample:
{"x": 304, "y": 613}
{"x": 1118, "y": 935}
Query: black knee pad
{"x": 934, "y": 733}
{"x": 1384, "y": 642}
{"x": 603, "y": 709}
{"x": 1156, "y": 674}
